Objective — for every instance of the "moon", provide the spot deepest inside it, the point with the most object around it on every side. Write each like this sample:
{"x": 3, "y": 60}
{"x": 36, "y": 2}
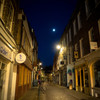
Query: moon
{"x": 53, "y": 29}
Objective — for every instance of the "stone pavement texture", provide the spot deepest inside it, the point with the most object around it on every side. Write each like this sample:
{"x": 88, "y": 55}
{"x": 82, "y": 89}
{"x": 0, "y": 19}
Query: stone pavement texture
{"x": 55, "y": 92}
{"x": 31, "y": 94}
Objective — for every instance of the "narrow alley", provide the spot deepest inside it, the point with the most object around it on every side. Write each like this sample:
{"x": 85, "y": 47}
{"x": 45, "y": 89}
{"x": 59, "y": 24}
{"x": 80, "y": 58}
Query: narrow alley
{"x": 55, "y": 92}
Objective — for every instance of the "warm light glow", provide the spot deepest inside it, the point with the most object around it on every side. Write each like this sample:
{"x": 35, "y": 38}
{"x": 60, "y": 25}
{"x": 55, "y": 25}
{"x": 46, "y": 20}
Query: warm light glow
{"x": 61, "y": 50}
{"x": 40, "y": 63}
{"x": 10, "y": 46}
{"x": 41, "y": 68}
{"x": 58, "y": 47}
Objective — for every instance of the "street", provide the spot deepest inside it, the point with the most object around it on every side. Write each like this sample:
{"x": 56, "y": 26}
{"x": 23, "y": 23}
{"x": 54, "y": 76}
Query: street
{"x": 55, "y": 92}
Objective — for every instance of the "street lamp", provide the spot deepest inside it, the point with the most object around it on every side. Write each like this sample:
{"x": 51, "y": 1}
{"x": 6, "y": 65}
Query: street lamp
{"x": 40, "y": 64}
{"x": 58, "y": 47}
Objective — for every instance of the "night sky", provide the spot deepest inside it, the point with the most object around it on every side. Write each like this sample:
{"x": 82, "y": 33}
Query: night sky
{"x": 43, "y": 16}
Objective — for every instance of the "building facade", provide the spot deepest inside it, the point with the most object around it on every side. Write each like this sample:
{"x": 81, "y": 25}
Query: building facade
{"x": 25, "y": 45}
{"x": 8, "y": 48}
{"x": 82, "y": 36}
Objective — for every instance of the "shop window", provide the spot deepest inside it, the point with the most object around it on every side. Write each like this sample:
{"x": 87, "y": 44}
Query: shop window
{"x": 25, "y": 76}
{"x": 8, "y": 13}
{"x": 97, "y": 74}
{"x": 78, "y": 78}
{"x": 86, "y": 77}
{"x": 20, "y": 82}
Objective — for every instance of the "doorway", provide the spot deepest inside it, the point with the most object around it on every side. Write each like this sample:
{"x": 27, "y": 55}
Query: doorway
{"x": 2, "y": 78}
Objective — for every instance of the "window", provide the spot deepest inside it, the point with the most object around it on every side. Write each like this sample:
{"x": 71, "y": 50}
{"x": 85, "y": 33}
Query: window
{"x": 1, "y": 3}
{"x": 81, "y": 47}
{"x": 97, "y": 2}
{"x": 89, "y": 5}
{"x": 70, "y": 38}
{"x": 76, "y": 47}
{"x": 91, "y": 35}
{"x": 97, "y": 74}
{"x": 67, "y": 39}
{"x": 71, "y": 54}
{"x": 86, "y": 77}
{"x": 79, "y": 21}
{"x": 74, "y": 27}
{"x": 93, "y": 43}
{"x": 8, "y": 13}
{"x": 99, "y": 25}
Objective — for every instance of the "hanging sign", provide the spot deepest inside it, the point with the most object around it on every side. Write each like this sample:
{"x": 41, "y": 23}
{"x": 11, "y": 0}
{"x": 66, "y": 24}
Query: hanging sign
{"x": 76, "y": 54}
{"x": 93, "y": 45}
{"x": 20, "y": 58}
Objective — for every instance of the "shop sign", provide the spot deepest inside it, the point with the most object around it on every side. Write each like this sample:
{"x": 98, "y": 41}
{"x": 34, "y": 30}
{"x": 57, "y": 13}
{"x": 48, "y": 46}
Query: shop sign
{"x": 76, "y": 54}
{"x": 93, "y": 45}
{"x": 20, "y": 58}
{"x": 5, "y": 51}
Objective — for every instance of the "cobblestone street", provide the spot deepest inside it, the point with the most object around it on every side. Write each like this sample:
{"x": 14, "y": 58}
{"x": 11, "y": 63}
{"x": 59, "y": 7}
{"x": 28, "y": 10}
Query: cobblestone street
{"x": 55, "y": 92}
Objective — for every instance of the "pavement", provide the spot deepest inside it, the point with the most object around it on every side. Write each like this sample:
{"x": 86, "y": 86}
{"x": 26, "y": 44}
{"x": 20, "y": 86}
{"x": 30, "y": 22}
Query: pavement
{"x": 55, "y": 92}
{"x": 31, "y": 94}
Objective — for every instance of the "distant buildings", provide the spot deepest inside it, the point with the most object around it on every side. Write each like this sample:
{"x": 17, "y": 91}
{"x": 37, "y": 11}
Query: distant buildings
{"x": 77, "y": 63}
{"x": 16, "y": 36}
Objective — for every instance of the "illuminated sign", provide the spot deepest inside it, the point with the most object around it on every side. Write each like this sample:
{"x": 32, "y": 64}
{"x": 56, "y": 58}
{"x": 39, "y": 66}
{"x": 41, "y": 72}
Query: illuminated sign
{"x": 20, "y": 58}
{"x": 93, "y": 45}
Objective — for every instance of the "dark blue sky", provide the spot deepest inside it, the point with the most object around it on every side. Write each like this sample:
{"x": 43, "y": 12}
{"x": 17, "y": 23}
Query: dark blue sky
{"x": 43, "y": 16}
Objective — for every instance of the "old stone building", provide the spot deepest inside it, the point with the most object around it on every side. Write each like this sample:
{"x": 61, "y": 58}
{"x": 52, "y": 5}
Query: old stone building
{"x": 82, "y": 36}
{"x": 26, "y": 46}
{"x": 8, "y": 48}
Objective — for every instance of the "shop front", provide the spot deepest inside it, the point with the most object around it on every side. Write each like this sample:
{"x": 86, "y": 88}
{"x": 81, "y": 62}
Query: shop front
{"x": 70, "y": 76}
{"x": 7, "y": 72}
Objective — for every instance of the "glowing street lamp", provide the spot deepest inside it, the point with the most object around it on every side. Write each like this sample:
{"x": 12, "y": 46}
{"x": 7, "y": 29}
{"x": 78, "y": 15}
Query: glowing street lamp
{"x": 58, "y": 47}
{"x": 40, "y": 64}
